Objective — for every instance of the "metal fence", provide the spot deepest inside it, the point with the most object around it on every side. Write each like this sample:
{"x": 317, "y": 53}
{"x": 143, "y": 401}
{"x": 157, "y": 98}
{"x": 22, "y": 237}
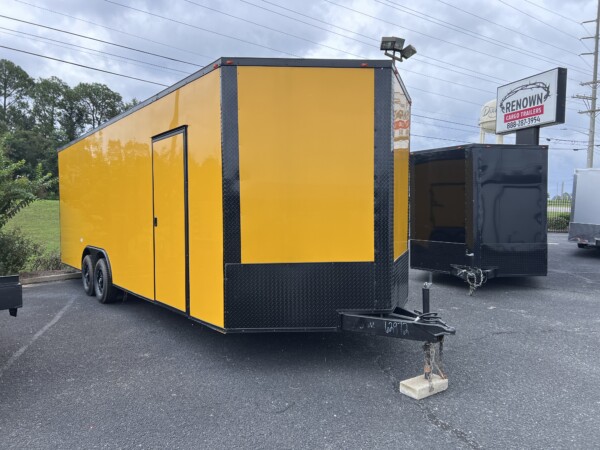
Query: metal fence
{"x": 559, "y": 215}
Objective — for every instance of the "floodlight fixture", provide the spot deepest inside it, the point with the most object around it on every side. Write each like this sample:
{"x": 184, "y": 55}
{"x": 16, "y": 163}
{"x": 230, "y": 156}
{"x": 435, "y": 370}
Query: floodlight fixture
{"x": 392, "y": 45}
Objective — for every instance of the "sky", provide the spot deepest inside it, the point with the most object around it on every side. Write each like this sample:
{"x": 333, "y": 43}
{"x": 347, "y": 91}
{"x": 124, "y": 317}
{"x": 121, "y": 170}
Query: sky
{"x": 465, "y": 50}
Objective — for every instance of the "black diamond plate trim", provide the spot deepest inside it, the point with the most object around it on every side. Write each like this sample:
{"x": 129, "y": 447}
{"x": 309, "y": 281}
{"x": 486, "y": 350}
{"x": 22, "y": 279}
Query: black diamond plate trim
{"x": 384, "y": 187}
{"x": 400, "y": 281}
{"x": 296, "y": 295}
{"x": 231, "y": 165}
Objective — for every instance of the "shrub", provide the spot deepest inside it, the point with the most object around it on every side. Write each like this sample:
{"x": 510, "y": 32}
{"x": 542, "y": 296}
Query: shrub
{"x": 558, "y": 223}
{"x": 47, "y": 261}
{"x": 16, "y": 252}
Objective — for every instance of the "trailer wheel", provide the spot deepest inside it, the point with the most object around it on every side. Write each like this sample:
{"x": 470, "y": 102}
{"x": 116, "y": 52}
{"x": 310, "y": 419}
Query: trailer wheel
{"x": 105, "y": 291}
{"x": 87, "y": 275}
{"x": 582, "y": 245}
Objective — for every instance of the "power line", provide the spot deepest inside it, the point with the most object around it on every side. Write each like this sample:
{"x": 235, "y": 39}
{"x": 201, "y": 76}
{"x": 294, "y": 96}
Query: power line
{"x": 566, "y": 18}
{"x": 432, "y": 37}
{"x": 106, "y": 58}
{"x": 419, "y": 56}
{"x": 443, "y": 95}
{"x": 428, "y": 76}
{"x": 454, "y": 83}
{"x": 273, "y": 29}
{"x": 565, "y": 140}
{"x": 91, "y": 49}
{"x": 512, "y": 30}
{"x": 552, "y": 12}
{"x": 479, "y": 36}
{"x": 439, "y": 126}
{"x": 84, "y": 66}
{"x": 310, "y": 24}
{"x": 210, "y": 58}
{"x": 98, "y": 40}
{"x": 446, "y": 121}
{"x": 134, "y": 49}
{"x": 202, "y": 29}
{"x": 454, "y": 116}
{"x": 539, "y": 20}
{"x": 439, "y": 139}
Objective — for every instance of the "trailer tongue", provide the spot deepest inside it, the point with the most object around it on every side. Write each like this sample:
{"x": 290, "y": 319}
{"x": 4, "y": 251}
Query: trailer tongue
{"x": 424, "y": 326}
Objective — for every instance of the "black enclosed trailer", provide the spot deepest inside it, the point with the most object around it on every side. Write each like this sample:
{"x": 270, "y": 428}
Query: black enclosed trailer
{"x": 479, "y": 211}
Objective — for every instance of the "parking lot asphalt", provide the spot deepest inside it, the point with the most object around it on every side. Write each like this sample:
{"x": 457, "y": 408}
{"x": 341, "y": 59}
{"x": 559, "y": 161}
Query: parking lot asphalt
{"x": 523, "y": 370}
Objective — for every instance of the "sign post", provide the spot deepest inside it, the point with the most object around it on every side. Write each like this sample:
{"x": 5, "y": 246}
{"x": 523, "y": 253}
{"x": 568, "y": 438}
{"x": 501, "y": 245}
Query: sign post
{"x": 524, "y": 106}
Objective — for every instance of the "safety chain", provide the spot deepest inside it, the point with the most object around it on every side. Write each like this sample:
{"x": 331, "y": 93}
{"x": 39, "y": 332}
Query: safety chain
{"x": 433, "y": 364}
{"x": 474, "y": 276}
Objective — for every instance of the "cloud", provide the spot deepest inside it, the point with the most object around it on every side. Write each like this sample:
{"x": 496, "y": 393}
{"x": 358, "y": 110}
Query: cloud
{"x": 459, "y": 55}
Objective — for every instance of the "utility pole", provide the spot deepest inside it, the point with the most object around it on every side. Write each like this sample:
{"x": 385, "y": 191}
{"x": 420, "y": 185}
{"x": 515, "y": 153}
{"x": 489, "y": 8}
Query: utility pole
{"x": 594, "y": 83}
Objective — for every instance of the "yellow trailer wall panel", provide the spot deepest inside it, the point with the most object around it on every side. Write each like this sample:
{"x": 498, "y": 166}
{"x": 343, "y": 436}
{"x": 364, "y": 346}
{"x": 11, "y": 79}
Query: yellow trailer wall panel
{"x": 106, "y": 194}
{"x": 306, "y": 139}
{"x": 205, "y": 204}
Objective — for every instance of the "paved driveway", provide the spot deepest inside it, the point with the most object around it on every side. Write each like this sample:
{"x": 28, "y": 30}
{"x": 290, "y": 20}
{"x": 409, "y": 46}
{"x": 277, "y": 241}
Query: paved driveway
{"x": 524, "y": 373}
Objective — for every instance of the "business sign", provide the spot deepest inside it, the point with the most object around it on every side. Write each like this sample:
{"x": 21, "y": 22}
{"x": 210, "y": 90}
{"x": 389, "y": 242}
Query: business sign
{"x": 537, "y": 101}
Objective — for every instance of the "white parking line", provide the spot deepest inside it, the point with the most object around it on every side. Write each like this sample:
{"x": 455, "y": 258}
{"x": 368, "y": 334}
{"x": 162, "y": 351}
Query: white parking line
{"x": 35, "y": 337}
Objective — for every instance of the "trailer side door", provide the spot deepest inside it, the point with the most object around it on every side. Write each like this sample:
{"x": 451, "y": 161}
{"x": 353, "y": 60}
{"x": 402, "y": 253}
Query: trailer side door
{"x": 170, "y": 221}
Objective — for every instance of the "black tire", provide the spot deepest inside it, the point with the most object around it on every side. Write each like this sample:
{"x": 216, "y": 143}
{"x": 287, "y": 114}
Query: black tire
{"x": 582, "y": 245}
{"x": 87, "y": 275}
{"x": 105, "y": 291}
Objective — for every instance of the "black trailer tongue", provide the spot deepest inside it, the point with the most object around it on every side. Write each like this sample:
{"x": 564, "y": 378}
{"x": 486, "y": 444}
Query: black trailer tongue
{"x": 425, "y": 326}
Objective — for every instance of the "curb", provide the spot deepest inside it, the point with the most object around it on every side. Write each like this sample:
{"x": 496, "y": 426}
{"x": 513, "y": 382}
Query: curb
{"x": 47, "y": 278}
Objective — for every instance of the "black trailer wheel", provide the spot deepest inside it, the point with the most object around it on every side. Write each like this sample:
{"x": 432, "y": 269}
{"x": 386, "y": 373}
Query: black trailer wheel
{"x": 87, "y": 275}
{"x": 582, "y": 245}
{"x": 105, "y": 291}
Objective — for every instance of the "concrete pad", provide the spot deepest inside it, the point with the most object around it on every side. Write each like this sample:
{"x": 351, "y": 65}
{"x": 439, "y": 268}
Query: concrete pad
{"x": 418, "y": 387}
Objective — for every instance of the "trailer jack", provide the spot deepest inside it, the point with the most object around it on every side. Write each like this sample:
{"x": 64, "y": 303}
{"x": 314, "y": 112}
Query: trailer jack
{"x": 413, "y": 325}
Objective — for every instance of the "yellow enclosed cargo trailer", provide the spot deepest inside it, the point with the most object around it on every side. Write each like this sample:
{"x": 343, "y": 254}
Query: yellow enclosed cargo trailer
{"x": 254, "y": 195}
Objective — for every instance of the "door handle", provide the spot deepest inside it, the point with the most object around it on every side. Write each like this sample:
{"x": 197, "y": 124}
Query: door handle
{"x": 156, "y": 221}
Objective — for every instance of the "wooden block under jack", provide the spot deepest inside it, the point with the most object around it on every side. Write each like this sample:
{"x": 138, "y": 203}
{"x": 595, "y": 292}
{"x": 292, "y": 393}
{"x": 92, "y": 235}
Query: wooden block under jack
{"x": 418, "y": 387}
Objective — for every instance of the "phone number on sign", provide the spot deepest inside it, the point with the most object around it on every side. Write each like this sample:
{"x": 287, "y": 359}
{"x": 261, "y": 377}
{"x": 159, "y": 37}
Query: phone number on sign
{"x": 523, "y": 122}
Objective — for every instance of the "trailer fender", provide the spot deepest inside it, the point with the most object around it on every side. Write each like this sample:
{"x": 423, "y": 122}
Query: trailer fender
{"x": 97, "y": 253}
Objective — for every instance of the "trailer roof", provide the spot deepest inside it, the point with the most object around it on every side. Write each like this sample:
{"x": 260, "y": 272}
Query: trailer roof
{"x": 235, "y": 61}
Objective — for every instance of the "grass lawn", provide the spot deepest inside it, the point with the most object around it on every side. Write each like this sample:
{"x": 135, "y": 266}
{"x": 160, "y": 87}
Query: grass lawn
{"x": 39, "y": 222}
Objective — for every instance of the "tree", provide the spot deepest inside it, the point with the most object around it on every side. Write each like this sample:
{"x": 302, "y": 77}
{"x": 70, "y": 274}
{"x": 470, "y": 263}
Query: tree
{"x": 15, "y": 86}
{"x": 47, "y": 96}
{"x": 71, "y": 117}
{"x": 33, "y": 149}
{"x": 17, "y": 192}
{"x": 128, "y": 105}
{"x": 99, "y": 101}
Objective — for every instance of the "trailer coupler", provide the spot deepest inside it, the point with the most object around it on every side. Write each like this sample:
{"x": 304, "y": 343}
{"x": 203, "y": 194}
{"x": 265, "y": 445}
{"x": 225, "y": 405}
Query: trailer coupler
{"x": 475, "y": 277}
